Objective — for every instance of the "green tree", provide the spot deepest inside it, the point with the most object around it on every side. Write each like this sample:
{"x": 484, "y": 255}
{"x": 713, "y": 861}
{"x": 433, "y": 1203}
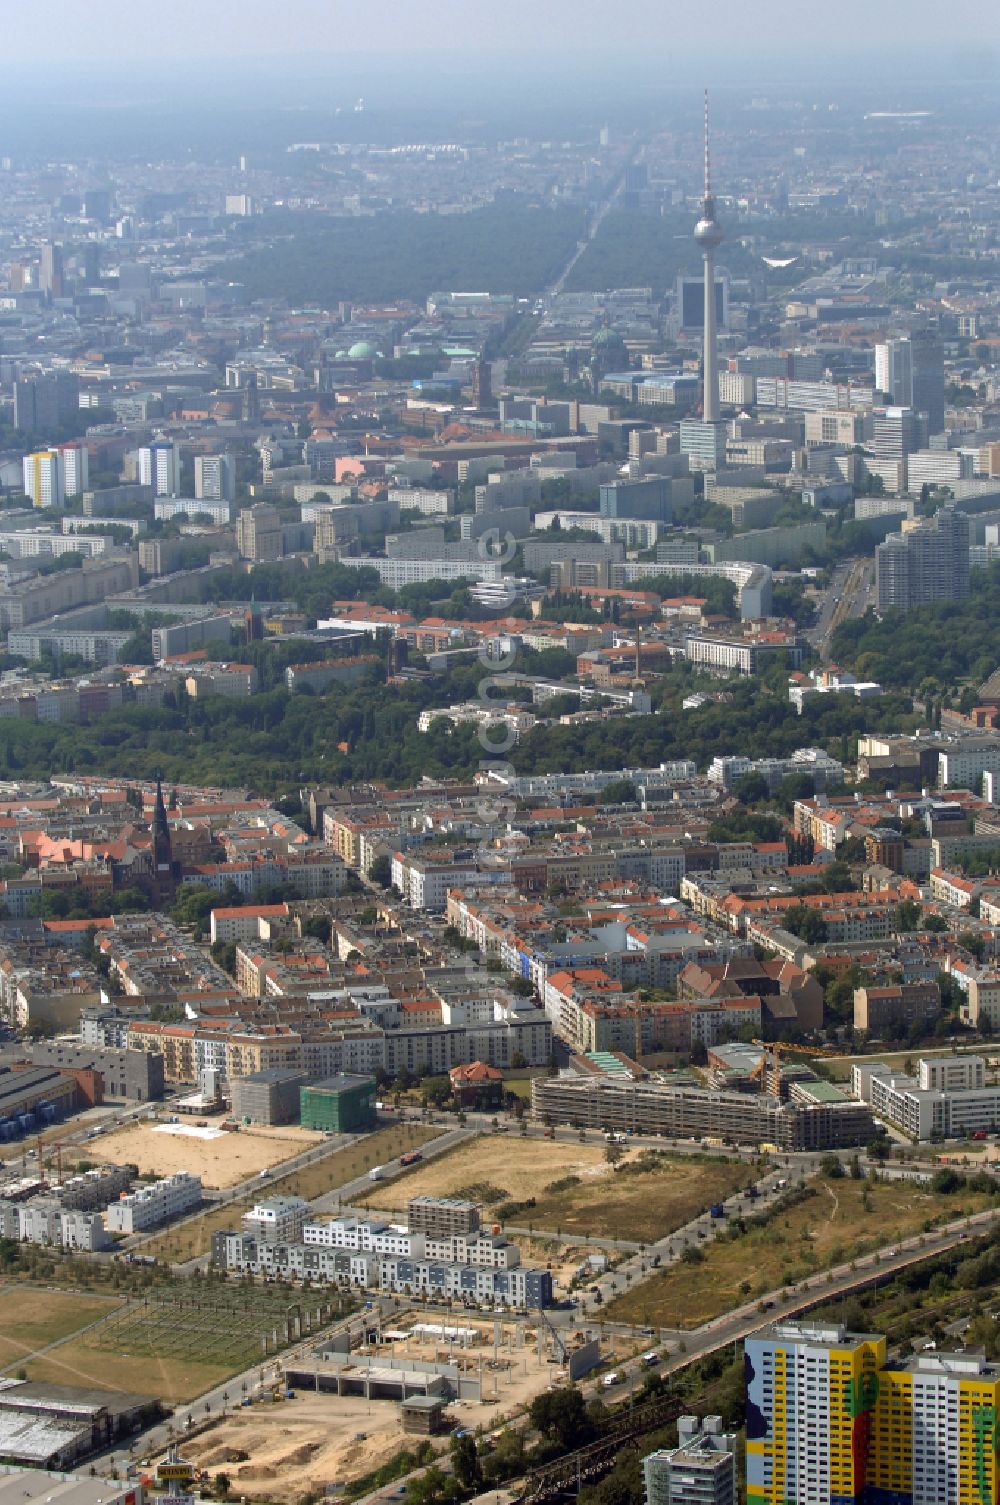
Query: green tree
{"x": 465, "y": 1460}
{"x": 805, "y": 922}
{"x": 562, "y": 1414}
{"x": 319, "y": 927}
{"x": 619, "y": 792}
{"x": 907, "y": 916}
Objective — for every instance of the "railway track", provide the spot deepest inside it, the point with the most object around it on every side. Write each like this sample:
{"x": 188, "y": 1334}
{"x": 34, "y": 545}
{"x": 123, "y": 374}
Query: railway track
{"x": 587, "y": 1464}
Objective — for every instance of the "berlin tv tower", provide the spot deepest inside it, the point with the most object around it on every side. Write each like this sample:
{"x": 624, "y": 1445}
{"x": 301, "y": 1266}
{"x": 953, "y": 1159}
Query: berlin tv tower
{"x": 709, "y": 234}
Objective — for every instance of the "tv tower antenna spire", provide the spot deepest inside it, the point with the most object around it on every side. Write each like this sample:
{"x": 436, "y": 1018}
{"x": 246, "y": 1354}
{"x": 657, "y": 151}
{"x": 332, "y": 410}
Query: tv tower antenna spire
{"x": 708, "y": 172}
{"x": 709, "y": 235}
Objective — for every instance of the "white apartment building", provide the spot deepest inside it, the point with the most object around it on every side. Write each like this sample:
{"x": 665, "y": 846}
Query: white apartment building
{"x": 45, "y": 1221}
{"x": 424, "y": 883}
{"x": 235, "y": 681}
{"x": 278, "y": 1220}
{"x": 953, "y": 889}
{"x": 592, "y": 781}
{"x": 488, "y": 1250}
{"x": 480, "y": 1248}
{"x": 161, "y": 1202}
{"x": 948, "y": 1098}
{"x": 75, "y": 462}
{"x": 395, "y": 573}
{"x": 214, "y": 478}
{"x": 166, "y": 507}
{"x": 364, "y": 1236}
{"x": 962, "y": 765}
{"x": 84, "y": 1230}
{"x": 160, "y": 467}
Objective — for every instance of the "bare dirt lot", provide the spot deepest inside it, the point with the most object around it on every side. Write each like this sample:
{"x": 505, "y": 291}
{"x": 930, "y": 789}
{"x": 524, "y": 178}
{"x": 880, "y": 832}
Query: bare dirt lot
{"x": 575, "y": 1189}
{"x": 298, "y": 1446}
{"x": 221, "y": 1161}
{"x": 314, "y": 1441}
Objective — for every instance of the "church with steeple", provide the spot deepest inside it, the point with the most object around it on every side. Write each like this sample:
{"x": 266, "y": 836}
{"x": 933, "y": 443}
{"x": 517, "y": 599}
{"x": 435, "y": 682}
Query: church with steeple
{"x": 163, "y": 864}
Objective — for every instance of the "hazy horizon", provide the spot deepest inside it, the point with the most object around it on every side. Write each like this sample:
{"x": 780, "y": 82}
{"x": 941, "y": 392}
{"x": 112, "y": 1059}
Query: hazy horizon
{"x": 647, "y": 32}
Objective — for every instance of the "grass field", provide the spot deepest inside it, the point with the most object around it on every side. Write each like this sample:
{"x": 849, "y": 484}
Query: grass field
{"x": 194, "y": 1236}
{"x": 830, "y": 1227}
{"x": 31, "y": 1318}
{"x": 628, "y": 1203}
{"x": 839, "y": 1067}
{"x": 172, "y": 1380}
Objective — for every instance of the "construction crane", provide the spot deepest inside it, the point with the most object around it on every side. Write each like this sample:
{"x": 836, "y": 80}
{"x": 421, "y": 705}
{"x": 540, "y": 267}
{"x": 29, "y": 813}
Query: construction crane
{"x": 557, "y": 1341}
{"x": 768, "y": 1069}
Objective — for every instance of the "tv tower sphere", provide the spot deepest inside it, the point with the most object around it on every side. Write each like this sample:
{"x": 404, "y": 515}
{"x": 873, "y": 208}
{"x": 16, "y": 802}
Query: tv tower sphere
{"x": 708, "y": 232}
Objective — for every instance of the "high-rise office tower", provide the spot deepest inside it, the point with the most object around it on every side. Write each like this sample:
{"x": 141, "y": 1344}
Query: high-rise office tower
{"x": 709, "y": 235}
{"x": 910, "y": 370}
{"x": 50, "y": 270}
{"x": 689, "y": 297}
{"x": 89, "y": 263}
{"x": 482, "y": 384}
{"x": 897, "y": 432}
{"x": 811, "y": 1392}
{"x": 929, "y": 562}
{"x": 43, "y": 402}
{"x": 42, "y": 478}
{"x": 894, "y": 372}
{"x": 135, "y": 280}
{"x": 215, "y": 478}
{"x": 927, "y": 361}
{"x": 160, "y": 467}
{"x": 97, "y": 204}
{"x": 699, "y": 1471}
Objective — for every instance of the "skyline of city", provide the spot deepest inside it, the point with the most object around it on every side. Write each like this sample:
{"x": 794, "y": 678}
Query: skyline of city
{"x": 500, "y": 758}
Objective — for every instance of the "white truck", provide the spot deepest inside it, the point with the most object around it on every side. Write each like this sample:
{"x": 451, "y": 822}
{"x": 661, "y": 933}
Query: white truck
{"x": 375, "y": 1174}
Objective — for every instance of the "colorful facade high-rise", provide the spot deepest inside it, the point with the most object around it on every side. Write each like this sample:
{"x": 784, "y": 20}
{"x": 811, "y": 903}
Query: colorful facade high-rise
{"x": 811, "y": 1392}
{"x": 829, "y": 1422}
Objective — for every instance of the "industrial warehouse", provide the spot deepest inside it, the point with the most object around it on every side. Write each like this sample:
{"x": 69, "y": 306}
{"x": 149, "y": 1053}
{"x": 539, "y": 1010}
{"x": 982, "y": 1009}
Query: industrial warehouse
{"x": 32, "y": 1097}
{"x": 52, "y": 1426}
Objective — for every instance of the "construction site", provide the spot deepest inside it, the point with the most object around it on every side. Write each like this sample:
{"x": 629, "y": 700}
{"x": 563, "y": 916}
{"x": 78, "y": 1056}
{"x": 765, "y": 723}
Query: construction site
{"x": 220, "y": 1156}
{"x": 343, "y": 1410}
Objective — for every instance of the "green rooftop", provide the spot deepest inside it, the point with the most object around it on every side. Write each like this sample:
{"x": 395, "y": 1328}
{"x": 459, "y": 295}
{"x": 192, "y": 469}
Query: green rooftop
{"x": 821, "y": 1092}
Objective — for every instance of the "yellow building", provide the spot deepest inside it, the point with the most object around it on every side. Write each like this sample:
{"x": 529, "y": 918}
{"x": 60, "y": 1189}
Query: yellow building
{"x": 935, "y": 1434}
{"x": 828, "y": 1423}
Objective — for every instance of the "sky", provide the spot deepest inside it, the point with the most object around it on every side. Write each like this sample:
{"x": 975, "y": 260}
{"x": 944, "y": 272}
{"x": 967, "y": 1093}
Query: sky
{"x": 668, "y": 34}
